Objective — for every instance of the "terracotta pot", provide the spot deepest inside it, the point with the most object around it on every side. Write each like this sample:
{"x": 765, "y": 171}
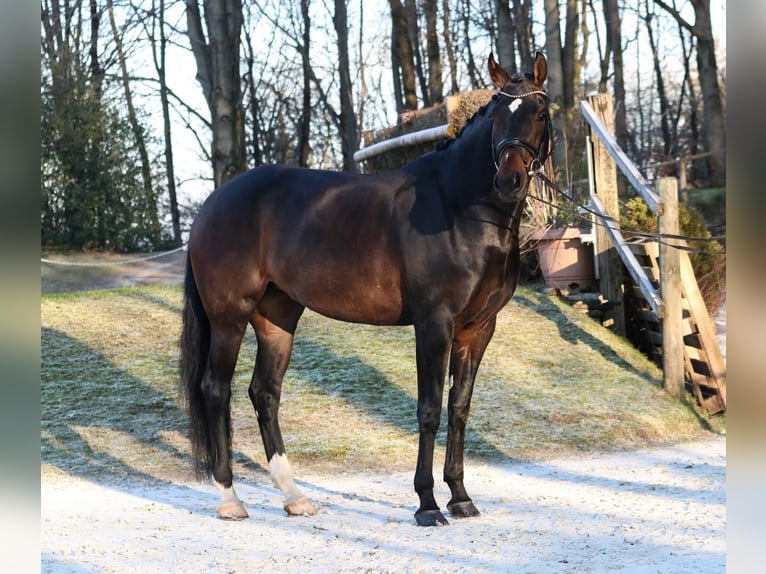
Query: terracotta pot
{"x": 564, "y": 258}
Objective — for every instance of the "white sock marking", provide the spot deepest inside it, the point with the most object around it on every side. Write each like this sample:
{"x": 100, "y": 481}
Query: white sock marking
{"x": 227, "y": 493}
{"x": 282, "y": 477}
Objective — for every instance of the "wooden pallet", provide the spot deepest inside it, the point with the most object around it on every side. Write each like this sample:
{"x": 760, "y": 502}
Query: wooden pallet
{"x": 704, "y": 367}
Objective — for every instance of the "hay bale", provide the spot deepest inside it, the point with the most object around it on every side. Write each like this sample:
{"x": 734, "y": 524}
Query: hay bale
{"x": 456, "y": 110}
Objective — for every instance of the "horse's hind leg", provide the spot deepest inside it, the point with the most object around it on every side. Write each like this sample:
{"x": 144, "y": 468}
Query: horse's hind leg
{"x": 274, "y": 325}
{"x": 216, "y": 388}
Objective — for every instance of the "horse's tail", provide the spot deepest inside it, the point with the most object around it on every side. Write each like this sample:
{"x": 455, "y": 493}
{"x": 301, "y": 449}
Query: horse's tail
{"x": 195, "y": 347}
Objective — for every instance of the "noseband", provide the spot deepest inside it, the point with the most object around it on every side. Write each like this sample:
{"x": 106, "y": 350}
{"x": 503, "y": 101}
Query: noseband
{"x": 538, "y": 155}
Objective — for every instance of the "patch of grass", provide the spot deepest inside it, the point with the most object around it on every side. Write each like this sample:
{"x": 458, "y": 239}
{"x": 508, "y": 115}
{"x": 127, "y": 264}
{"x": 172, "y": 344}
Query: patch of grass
{"x": 553, "y": 382}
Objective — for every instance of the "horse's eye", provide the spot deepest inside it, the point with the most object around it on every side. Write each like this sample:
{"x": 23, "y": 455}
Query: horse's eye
{"x": 543, "y": 116}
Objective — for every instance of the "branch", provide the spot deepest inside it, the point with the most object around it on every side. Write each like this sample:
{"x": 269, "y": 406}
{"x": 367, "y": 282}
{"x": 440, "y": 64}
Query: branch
{"x": 676, "y": 14}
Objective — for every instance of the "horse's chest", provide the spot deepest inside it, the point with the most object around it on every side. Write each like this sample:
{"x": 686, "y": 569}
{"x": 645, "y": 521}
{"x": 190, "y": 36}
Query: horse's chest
{"x": 491, "y": 284}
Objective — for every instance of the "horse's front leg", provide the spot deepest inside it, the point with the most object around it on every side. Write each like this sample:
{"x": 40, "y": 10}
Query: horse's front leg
{"x": 467, "y": 351}
{"x": 432, "y": 342}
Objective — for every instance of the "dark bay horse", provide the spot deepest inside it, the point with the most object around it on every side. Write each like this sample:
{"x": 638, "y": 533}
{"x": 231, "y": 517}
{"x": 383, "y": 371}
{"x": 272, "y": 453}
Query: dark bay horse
{"x": 434, "y": 244}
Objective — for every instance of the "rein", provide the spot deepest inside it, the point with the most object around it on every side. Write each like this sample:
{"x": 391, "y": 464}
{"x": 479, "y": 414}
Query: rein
{"x": 538, "y": 155}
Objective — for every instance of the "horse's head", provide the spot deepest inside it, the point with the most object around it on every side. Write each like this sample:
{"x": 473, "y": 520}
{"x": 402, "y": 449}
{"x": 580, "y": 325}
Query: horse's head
{"x": 521, "y": 128}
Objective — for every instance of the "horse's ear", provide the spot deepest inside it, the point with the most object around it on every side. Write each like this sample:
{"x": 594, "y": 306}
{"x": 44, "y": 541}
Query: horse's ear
{"x": 539, "y": 69}
{"x": 499, "y": 76}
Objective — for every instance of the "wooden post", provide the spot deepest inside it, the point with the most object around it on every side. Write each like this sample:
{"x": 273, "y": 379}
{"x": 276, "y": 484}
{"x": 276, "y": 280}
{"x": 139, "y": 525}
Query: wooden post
{"x": 610, "y": 279}
{"x": 670, "y": 286}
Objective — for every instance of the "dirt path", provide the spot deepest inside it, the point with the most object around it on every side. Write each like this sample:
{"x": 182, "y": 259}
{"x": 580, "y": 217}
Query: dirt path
{"x": 87, "y": 272}
{"x": 660, "y": 510}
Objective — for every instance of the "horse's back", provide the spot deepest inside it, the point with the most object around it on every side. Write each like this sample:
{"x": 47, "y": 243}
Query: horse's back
{"x": 326, "y": 239}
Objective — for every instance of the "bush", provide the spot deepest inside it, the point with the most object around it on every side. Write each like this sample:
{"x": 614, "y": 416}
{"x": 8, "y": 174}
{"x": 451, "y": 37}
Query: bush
{"x": 709, "y": 259}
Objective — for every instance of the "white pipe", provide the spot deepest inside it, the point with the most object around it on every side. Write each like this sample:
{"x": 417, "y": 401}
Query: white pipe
{"x": 422, "y": 136}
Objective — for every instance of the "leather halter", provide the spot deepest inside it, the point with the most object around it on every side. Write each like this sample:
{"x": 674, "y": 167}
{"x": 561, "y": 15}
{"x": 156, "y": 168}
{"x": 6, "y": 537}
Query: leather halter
{"x": 538, "y": 155}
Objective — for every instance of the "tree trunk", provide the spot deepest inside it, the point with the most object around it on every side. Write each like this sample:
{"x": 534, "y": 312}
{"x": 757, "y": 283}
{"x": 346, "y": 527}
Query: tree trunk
{"x": 96, "y": 72}
{"x": 100, "y": 211}
{"x": 138, "y": 133}
{"x": 614, "y": 38}
{"x": 713, "y": 123}
{"x": 349, "y": 132}
{"x": 218, "y": 74}
{"x": 524, "y": 37}
{"x": 175, "y": 215}
{"x": 413, "y": 31}
{"x": 435, "y": 85}
{"x": 403, "y": 64}
{"x": 304, "y": 129}
{"x": 473, "y": 73}
{"x": 568, "y": 54}
{"x": 667, "y": 139}
{"x": 447, "y": 34}
{"x": 555, "y": 83}
{"x": 714, "y": 126}
{"x": 505, "y": 36}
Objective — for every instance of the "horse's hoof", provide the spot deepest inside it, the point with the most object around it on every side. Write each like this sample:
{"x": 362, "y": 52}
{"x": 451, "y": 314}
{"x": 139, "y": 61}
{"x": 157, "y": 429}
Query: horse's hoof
{"x": 463, "y": 509}
{"x": 430, "y": 518}
{"x": 232, "y": 510}
{"x": 300, "y": 507}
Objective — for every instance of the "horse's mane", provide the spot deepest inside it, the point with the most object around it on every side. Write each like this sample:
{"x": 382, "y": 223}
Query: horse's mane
{"x": 516, "y": 78}
{"x": 444, "y": 144}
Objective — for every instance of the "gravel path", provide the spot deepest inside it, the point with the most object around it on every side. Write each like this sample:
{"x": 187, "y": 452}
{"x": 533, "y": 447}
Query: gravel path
{"x": 659, "y": 510}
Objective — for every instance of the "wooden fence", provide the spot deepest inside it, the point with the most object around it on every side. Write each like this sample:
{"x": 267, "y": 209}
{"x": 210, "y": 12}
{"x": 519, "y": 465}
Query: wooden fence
{"x": 688, "y": 344}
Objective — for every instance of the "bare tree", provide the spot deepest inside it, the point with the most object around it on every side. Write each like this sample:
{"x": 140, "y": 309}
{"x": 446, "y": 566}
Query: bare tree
{"x": 614, "y": 38}
{"x": 413, "y": 31}
{"x": 435, "y": 85}
{"x": 304, "y": 47}
{"x": 522, "y": 10}
{"x": 138, "y": 131}
{"x": 464, "y": 16}
{"x": 449, "y": 48}
{"x": 505, "y": 36}
{"x": 667, "y": 138}
{"x": 217, "y": 56}
{"x": 161, "y": 67}
{"x": 555, "y": 80}
{"x": 402, "y": 59}
{"x": 713, "y": 122}
{"x": 349, "y": 133}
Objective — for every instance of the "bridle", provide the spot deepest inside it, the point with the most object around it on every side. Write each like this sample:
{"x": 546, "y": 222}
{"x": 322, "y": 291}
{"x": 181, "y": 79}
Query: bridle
{"x": 538, "y": 155}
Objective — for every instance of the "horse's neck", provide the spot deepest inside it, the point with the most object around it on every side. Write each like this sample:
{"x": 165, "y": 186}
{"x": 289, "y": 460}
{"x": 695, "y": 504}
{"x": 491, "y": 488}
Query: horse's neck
{"x": 472, "y": 169}
{"x": 470, "y": 156}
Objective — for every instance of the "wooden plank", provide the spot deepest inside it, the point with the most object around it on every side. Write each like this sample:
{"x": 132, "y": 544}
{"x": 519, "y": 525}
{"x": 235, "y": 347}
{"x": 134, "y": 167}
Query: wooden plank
{"x": 647, "y": 289}
{"x": 670, "y": 280}
{"x": 604, "y": 170}
{"x": 704, "y": 325}
{"x": 623, "y": 162}
{"x": 714, "y": 405}
{"x": 694, "y": 353}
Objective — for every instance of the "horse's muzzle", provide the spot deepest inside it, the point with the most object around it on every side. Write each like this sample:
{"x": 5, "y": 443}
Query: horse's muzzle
{"x": 510, "y": 181}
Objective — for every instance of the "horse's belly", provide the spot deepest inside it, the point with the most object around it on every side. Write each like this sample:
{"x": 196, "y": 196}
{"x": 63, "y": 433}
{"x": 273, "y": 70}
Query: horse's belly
{"x": 375, "y": 305}
{"x": 347, "y": 293}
